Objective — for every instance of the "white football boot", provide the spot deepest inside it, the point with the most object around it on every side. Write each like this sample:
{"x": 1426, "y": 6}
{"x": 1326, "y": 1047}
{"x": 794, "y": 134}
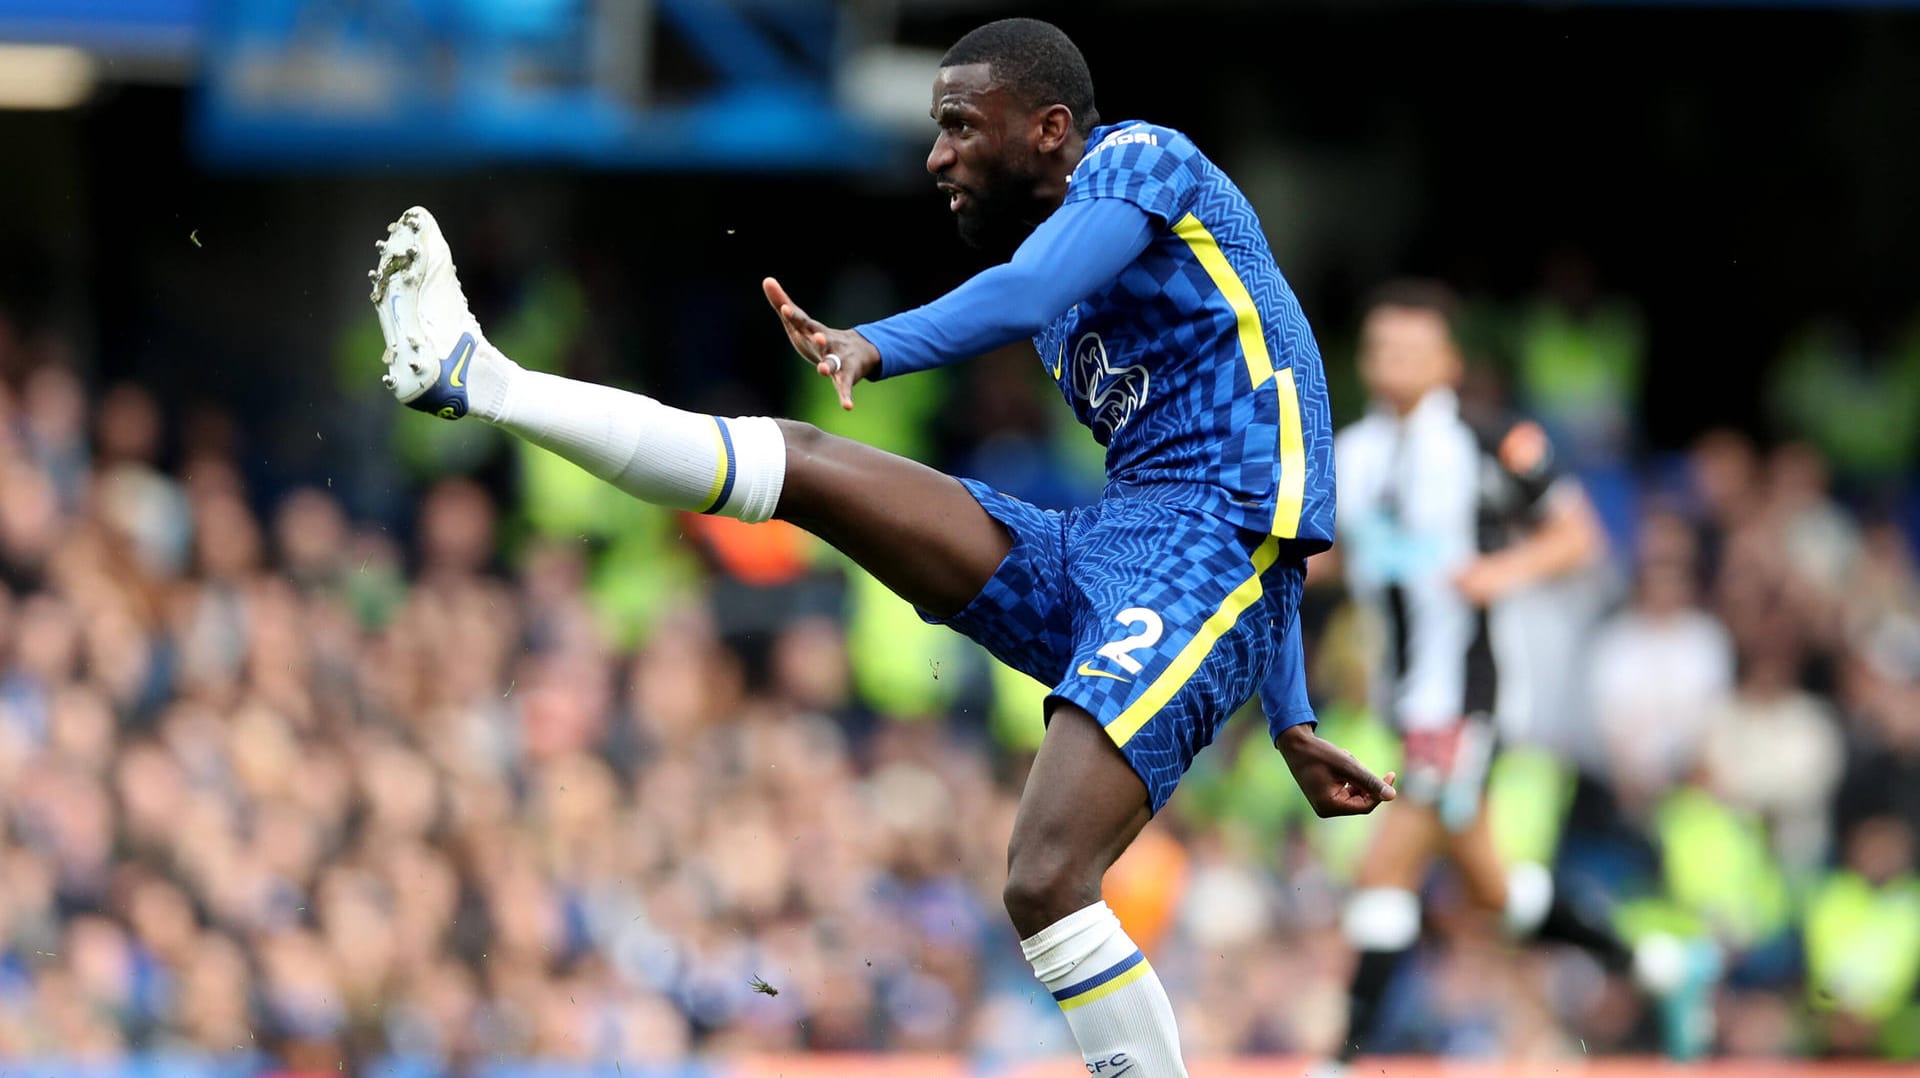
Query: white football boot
{"x": 431, "y": 337}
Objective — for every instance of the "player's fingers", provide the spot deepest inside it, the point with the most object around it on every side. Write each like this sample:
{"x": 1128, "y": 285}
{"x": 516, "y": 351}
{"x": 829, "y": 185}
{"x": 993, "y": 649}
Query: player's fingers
{"x": 812, "y": 334}
{"x": 783, "y": 308}
{"x": 801, "y": 330}
{"x": 801, "y": 344}
{"x": 776, "y": 295}
{"x": 1365, "y": 780}
{"x": 1350, "y": 802}
{"x": 802, "y": 341}
{"x": 1360, "y": 802}
{"x": 792, "y": 315}
{"x": 843, "y": 381}
{"x": 831, "y": 367}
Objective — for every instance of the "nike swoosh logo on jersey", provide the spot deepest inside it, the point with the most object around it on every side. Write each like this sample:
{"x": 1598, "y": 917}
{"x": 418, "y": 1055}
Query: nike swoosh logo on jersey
{"x": 1088, "y": 670}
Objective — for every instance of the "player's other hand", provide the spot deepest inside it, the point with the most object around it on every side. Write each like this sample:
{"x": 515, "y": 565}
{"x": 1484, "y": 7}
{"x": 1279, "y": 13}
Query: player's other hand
{"x": 1486, "y": 580}
{"x": 839, "y": 354}
{"x": 1335, "y": 783}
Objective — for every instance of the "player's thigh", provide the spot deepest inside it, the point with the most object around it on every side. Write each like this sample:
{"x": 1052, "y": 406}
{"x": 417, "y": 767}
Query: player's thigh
{"x": 1404, "y": 843}
{"x": 1020, "y": 614}
{"x": 917, "y": 530}
{"x": 1174, "y": 629}
{"x": 1477, "y": 858}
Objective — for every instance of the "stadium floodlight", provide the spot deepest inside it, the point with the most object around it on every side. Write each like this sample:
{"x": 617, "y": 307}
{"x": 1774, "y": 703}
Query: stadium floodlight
{"x": 44, "y": 76}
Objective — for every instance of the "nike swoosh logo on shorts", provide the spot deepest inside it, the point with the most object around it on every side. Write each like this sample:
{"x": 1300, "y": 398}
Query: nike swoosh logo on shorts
{"x": 1088, "y": 670}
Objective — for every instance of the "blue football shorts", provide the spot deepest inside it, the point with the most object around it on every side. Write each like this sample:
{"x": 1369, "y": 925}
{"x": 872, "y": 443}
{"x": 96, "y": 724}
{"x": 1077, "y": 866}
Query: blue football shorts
{"x": 1159, "y": 620}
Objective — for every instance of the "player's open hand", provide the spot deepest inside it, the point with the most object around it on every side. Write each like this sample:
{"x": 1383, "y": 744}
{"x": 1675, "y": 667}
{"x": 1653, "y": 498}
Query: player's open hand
{"x": 839, "y": 354}
{"x": 1335, "y": 783}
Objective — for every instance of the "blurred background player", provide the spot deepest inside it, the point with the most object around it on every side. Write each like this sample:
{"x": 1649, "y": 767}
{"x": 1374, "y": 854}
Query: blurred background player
{"x": 1442, "y": 516}
{"x": 1145, "y": 281}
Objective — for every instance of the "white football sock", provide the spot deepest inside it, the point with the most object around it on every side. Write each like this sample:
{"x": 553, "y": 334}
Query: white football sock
{"x": 1115, "y": 1005}
{"x": 681, "y": 460}
{"x": 1529, "y": 897}
{"x": 1381, "y": 919}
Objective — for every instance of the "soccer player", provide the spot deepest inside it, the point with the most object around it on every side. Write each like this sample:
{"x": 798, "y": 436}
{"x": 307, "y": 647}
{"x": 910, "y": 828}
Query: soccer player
{"x": 1142, "y": 275}
{"x": 1441, "y": 516}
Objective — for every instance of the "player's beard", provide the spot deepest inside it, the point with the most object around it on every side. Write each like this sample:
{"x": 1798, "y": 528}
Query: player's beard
{"x": 998, "y": 216}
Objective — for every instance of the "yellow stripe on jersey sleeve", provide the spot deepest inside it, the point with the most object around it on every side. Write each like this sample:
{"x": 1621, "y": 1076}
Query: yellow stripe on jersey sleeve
{"x": 1291, "y": 496}
{"x": 1253, "y": 339}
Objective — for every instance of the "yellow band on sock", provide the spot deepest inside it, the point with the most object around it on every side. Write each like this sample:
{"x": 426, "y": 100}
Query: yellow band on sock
{"x": 1094, "y": 995}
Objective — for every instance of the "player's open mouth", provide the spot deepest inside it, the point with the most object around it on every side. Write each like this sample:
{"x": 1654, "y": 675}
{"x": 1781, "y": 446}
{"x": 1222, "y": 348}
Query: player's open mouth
{"x": 956, "y": 197}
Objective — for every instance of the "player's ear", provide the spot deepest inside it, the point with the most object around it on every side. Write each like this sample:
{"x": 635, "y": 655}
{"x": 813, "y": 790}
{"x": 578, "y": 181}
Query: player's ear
{"x": 1055, "y": 124}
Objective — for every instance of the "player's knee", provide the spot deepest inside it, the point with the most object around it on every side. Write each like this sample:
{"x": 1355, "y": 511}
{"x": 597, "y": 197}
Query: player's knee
{"x": 802, "y": 487}
{"x": 801, "y": 437}
{"x": 1042, "y": 887}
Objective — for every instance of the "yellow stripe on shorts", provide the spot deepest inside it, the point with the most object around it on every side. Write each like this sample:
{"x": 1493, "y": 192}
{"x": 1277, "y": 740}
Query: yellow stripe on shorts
{"x": 1181, "y": 669}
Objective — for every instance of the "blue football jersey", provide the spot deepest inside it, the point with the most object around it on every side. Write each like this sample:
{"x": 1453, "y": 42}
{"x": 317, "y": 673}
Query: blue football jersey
{"x": 1196, "y": 368}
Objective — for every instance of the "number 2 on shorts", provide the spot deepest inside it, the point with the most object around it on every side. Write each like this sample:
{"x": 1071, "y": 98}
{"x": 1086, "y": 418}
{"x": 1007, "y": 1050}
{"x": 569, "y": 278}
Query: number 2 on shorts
{"x": 1150, "y": 627}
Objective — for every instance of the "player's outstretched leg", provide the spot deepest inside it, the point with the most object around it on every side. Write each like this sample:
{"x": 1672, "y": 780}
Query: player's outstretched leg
{"x": 1381, "y": 921}
{"x": 915, "y": 529}
{"x": 439, "y": 362}
{"x": 1680, "y": 975}
{"x": 1082, "y": 806}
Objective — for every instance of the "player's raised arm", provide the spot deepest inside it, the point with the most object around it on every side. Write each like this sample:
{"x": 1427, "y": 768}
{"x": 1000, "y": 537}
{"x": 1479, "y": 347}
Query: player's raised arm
{"x": 1075, "y": 252}
{"x": 1078, "y": 250}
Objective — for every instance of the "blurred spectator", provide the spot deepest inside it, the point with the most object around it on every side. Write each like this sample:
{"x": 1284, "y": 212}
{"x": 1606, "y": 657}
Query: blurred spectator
{"x": 282, "y": 782}
{"x": 1863, "y": 943}
{"x": 1820, "y": 540}
{"x": 1774, "y": 749}
{"x": 1582, "y": 355}
{"x": 1659, "y": 669}
{"x": 1856, "y": 403}
{"x": 1725, "y": 474}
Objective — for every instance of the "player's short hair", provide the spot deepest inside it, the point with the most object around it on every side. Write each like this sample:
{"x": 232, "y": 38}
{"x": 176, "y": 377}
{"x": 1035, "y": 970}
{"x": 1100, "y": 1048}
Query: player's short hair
{"x": 1420, "y": 294}
{"x": 1036, "y": 61}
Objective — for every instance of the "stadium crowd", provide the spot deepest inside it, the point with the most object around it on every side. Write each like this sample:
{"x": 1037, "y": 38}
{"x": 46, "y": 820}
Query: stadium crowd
{"x": 276, "y": 779}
